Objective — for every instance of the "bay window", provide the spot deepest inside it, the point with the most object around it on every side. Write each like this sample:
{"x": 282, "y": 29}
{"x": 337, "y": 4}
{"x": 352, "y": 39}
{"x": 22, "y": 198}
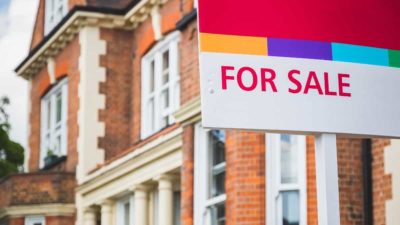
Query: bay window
{"x": 55, "y": 10}
{"x": 160, "y": 85}
{"x": 209, "y": 183}
{"x": 286, "y": 179}
{"x": 54, "y": 122}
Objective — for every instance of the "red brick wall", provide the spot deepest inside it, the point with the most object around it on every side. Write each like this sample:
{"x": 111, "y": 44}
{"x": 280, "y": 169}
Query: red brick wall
{"x": 189, "y": 64}
{"x": 39, "y": 83}
{"x": 382, "y": 185}
{"x": 117, "y": 89}
{"x": 60, "y": 220}
{"x": 67, "y": 64}
{"x": 245, "y": 178}
{"x": 38, "y": 29}
{"x": 16, "y": 221}
{"x": 351, "y": 193}
{"x": 187, "y": 171}
{"x": 37, "y": 188}
{"x": 350, "y": 182}
{"x": 312, "y": 216}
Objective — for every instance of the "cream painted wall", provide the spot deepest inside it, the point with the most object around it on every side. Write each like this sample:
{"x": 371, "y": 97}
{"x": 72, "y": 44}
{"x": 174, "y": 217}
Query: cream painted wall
{"x": 392, "y": 166}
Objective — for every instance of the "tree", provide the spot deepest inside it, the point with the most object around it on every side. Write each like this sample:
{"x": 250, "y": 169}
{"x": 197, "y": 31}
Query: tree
{"x": 11, "y": 153}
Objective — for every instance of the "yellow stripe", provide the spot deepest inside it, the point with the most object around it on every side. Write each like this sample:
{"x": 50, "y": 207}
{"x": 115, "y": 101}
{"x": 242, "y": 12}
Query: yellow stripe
{"x": 233, "y": 44}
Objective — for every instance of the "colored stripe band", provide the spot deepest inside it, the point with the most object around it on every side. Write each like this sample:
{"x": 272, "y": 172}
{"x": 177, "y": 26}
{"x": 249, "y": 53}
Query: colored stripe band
{"x": 299, "y": 49}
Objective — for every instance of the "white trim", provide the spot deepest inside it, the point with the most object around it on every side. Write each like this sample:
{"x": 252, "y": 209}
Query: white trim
{"x": 273, "y": 182}
{"x": 156, "y": 22}
{"x": 33, "y": 220}
{"x": 151, "y": 100}
{"x": 202, "y": 202}
{"x": 42, "y": 209}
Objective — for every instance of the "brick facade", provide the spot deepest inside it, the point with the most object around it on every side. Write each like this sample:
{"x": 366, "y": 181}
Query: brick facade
{"x": 245, "y": 177}
{"x": 66, "y": 65}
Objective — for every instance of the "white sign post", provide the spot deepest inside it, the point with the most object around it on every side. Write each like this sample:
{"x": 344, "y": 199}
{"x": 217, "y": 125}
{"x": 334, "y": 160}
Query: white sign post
{"x": 327, "y": 179}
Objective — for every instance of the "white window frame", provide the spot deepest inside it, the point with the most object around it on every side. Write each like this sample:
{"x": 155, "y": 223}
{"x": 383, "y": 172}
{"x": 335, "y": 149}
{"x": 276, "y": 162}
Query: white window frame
{"x": 202, "y": 181}
{"x": 52, "y": 14}
{"x": 273, "y": 179}
{"x": 51, "y": 133}
{"x": 31, "y": 220}
{"x": 149, "y": 125}
{"x": 120, "y": 210}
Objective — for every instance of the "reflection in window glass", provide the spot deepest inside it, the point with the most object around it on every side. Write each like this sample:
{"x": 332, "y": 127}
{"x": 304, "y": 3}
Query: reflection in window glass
{"x": 217, "y": 153}
{"x": 288, "y": 159}
{"x": 59, "y": 107}
{"x": 218, "y": 214}
{"x": 165, "y": 68}
{"x": 126, "y": 213}
{"x": 290, "y": 208}
{"x": 152, "y": 74}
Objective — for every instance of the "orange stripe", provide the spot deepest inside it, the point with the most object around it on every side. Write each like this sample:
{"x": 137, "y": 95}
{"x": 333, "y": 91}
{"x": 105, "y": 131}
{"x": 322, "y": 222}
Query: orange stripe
{"x": 233, "y": 44}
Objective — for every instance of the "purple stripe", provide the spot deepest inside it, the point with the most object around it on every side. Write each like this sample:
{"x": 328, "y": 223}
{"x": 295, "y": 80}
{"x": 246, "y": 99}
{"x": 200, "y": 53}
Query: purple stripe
{"x": 299, "y": 49}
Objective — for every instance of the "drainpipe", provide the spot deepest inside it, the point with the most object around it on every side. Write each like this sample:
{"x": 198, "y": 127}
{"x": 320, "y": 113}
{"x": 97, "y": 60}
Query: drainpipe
{"x": 367, "y": 181}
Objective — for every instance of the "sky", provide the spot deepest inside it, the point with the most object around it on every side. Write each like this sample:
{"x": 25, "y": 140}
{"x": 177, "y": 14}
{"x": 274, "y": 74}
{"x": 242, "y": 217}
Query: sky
{"x": 17, "y": 18}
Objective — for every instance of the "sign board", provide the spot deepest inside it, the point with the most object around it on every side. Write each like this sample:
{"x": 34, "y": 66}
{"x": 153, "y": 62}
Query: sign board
{"x": 301, "y": 66}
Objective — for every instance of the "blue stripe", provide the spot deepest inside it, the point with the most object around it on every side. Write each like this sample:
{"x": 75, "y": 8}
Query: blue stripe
{"x": 360, "y": 54}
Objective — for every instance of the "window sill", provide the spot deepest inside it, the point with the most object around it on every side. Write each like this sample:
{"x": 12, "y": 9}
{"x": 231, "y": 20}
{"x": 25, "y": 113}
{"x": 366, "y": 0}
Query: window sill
{"x": 55, "y": 163}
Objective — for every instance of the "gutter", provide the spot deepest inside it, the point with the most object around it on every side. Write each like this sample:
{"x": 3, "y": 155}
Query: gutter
{"x": 366, "y": 155}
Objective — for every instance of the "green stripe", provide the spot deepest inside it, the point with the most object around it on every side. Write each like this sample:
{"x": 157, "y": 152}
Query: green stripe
{"x": 394, "y": 58}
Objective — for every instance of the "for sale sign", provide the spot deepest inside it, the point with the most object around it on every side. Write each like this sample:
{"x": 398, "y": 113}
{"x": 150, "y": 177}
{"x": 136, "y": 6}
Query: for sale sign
{"x": 301, "y": 66}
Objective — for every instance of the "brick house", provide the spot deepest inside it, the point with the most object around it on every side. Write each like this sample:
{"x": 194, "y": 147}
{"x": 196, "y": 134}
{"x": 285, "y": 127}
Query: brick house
{"x": 115, "y": 134}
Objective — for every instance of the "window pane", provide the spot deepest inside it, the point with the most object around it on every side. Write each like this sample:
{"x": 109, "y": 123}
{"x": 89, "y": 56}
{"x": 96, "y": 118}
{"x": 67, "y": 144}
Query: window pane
{"x": 217, "y": 139}
{"x": 151, "y": 116}
{"x": 217, "y": 162}
{"x": 48, "y": 114}
{"x": 289, "y": 156}
{"x": 165, "y": 99}
{"x": 165, "y": 68}
{"x": 218, "y": 184}
{"x": 218, "y": 214}
{"x": 290, "y": 208}
{"x": 57, "y": 147}
{"x": 152, "y": 75}
{"x": 59, "y": 107}
{"x": 177, "y": 208}
{"x": 126, "y": 213}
